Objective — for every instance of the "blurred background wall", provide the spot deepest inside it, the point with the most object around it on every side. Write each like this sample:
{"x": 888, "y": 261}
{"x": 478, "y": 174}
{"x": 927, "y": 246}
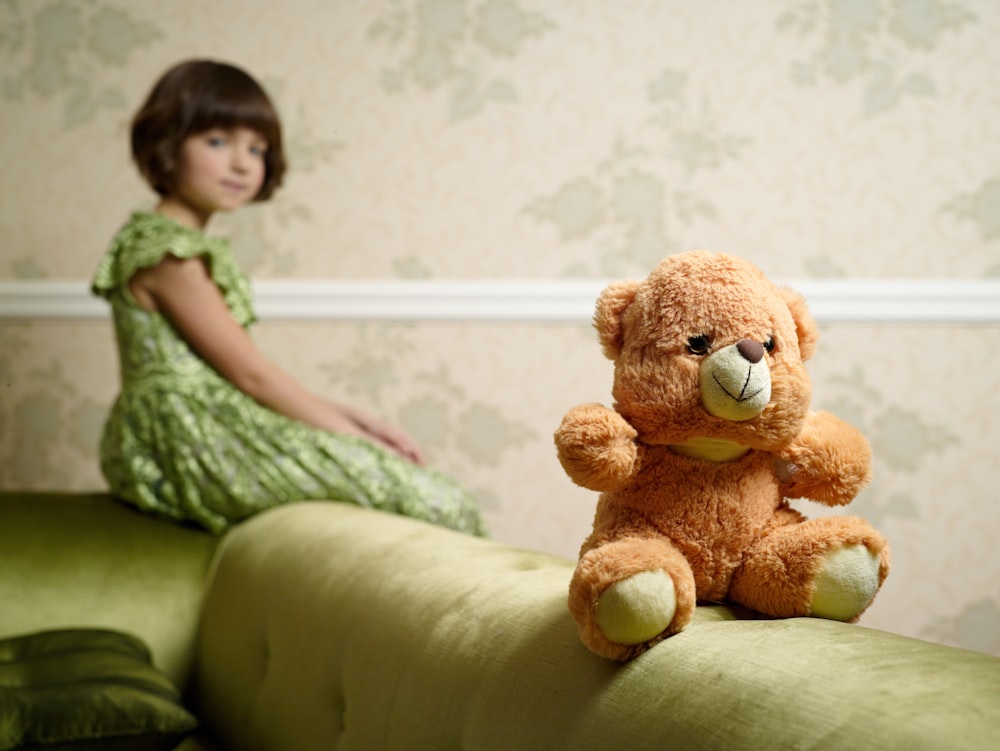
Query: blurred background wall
{"x": 834, "y": 141}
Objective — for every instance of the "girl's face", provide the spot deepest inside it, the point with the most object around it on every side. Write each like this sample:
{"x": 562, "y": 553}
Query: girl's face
{"x": 218, "y": 170}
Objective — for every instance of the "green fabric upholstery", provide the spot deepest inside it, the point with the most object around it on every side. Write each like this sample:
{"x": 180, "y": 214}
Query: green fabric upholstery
{"x": 328, "y": 626}
{"x": 84, "y": 560}
{"x": 83, "y": 689}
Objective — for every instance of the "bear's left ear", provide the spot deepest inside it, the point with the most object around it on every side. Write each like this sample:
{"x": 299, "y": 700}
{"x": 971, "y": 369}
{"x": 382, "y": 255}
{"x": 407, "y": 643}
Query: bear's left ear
{"x": 805, "y": 326}
{"x": 608, "y": 313}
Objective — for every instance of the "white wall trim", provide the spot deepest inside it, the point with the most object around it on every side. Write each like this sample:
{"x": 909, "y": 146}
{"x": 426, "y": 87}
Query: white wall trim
{"x": 517, "y": 301}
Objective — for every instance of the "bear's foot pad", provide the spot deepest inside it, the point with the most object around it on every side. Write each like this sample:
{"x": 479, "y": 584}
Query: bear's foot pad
{"x": 637, "y": 609}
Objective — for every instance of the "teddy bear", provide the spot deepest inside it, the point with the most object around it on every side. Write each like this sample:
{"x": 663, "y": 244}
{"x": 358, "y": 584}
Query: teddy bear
{"x": 710, "y": 435}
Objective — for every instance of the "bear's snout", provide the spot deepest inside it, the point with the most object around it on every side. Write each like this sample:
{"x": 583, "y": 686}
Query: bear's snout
{"x": 735, "y": 381}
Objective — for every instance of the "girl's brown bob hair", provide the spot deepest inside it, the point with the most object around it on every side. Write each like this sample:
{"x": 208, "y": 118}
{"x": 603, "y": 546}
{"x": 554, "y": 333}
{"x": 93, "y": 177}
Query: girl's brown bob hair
{"x": 196, "y": 96}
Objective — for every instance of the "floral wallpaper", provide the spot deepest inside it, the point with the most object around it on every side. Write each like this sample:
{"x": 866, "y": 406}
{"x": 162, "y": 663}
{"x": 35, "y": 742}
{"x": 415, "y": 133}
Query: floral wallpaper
{"x": 509, "y": 139}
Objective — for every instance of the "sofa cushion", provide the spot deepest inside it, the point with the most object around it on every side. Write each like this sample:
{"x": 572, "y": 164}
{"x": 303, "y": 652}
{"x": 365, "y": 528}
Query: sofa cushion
{"x": 86, "y": 689}
{"x": 72, "y": 560}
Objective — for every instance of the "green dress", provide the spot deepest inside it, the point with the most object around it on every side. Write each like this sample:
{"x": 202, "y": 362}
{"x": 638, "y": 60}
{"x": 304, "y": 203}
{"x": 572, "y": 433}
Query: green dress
{"x": 183, "y": 442}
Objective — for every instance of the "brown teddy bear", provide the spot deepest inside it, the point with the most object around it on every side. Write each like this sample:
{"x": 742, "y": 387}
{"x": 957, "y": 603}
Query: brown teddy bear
{"x": 711, "y": 432}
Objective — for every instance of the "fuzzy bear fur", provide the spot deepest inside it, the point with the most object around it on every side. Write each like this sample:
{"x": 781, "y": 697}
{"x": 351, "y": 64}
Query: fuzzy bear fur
{"x": 720, "y": 527}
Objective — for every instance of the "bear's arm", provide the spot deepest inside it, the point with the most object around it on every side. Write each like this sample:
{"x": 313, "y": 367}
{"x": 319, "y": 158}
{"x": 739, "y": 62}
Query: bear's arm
{"x": 597, "y": 448}
{"x": 829, "y": 462}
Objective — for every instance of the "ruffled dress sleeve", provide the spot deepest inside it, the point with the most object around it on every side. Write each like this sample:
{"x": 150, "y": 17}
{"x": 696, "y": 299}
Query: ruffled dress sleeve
{"x": 148, "y": 237}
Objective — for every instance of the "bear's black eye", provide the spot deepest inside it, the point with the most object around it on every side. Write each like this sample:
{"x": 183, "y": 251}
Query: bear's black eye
{"x": 698, "y": 345}
{"x": 769, "y": 344}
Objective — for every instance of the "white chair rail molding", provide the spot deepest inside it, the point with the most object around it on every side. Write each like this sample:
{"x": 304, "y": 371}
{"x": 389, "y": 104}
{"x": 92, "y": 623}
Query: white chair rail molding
{"x": 957, "y": 301}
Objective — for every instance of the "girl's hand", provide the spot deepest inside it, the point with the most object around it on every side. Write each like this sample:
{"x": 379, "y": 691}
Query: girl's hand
{"x": 381, "y": 432}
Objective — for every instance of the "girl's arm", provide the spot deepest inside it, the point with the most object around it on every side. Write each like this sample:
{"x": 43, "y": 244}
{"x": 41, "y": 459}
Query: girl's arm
{"x": 183, "y": 291}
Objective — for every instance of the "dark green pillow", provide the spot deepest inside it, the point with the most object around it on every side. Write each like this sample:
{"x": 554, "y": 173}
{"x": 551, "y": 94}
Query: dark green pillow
{"x": 84, "y": 689}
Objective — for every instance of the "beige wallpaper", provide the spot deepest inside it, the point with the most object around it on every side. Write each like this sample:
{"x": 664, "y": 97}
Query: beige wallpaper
{"x": 501, "y": 139}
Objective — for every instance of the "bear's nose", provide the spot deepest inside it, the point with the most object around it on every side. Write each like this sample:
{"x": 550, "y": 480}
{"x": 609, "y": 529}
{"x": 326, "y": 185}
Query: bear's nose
{"x": 752, "y": 351}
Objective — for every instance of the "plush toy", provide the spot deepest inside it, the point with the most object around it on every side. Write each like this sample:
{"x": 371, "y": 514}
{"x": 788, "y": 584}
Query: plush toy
{"x": 710, "y": 433}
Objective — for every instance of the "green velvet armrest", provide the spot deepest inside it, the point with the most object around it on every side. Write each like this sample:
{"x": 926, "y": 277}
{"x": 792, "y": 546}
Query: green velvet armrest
{"x": 329, "y": 626}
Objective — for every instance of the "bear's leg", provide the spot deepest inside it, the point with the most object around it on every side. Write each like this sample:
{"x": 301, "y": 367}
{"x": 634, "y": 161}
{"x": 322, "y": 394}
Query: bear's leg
{"x": 630, "y": 593}
{"x": 829, "y": 567}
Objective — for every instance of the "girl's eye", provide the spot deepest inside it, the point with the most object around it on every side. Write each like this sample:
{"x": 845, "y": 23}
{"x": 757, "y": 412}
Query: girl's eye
{"x": 216, "y": 141}
{"x": 698, "y": 345}
{"x": 769, "y": 344}
{"x": 258, "y": 150}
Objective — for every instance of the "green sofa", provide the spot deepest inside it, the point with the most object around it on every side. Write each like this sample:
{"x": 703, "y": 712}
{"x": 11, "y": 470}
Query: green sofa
{"x": 324, "y": 626}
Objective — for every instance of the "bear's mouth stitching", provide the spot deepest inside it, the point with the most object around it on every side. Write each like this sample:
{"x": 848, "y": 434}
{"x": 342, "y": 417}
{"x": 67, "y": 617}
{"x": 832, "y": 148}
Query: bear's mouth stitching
{"x": 743, "y": 396}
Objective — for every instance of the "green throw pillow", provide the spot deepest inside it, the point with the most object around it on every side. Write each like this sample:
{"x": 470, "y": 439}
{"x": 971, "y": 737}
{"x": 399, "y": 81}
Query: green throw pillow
{"x": 84, "y": 689}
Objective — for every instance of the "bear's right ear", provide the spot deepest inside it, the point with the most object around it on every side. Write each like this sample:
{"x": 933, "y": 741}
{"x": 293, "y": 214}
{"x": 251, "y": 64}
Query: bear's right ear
{"x": 611, "y": 307}
{"x": 805, "y": 325}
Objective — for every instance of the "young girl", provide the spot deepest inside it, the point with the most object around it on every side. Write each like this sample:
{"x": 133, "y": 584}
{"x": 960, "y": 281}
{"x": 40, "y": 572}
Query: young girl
{"x": 206, "y": 429}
